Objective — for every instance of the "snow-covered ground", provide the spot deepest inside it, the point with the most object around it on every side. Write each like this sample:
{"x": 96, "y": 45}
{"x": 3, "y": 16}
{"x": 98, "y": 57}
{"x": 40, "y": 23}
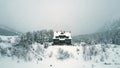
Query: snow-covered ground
{"x": 80, "y": 56}
{"x": 8, "y": 39}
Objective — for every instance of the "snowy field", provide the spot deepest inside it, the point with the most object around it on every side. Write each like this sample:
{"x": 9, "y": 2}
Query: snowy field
{"x": 79, "y": 56}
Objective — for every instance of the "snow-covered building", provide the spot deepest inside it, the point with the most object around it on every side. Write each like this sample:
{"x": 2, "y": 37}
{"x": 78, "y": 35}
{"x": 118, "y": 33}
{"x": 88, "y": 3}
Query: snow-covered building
{"x": 62, "y": 37}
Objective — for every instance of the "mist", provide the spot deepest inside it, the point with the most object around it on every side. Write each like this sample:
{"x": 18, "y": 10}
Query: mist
{"x": 78, "y": 16}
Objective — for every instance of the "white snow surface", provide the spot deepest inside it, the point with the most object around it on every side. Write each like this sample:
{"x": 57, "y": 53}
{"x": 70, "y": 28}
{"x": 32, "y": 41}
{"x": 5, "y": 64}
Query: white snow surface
{"x": 7, "y": 41}
{"x": 76, "y": 61}
{"x": 106, "y": 56}
{"x": 8, "y": 38}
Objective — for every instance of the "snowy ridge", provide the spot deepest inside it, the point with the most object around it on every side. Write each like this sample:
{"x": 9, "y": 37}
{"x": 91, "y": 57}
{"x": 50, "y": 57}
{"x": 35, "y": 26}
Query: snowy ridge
{"x": 4, "y": 30}
{"x": 7, "y": 28}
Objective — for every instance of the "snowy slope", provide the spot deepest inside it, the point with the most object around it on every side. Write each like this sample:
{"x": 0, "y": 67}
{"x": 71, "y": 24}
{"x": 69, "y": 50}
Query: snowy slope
{"x": 75, "y": 61}
{"x": 7, "y": 41}
{"x": 79, "y": 56}
{"x": 8, "y": 38}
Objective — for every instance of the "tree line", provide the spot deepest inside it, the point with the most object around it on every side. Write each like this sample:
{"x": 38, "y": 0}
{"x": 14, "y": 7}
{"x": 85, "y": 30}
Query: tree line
{"x": 37, "y": 36}
{"x": 111, "y": 35}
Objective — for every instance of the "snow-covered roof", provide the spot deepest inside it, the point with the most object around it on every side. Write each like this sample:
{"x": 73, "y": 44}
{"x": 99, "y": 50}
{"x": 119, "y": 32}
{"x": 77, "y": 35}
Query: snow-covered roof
{"x": 66, "y": 33}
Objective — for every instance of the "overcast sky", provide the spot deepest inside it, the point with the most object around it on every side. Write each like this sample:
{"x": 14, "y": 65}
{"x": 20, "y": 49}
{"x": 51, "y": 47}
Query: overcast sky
{"x": 78, "y": 16}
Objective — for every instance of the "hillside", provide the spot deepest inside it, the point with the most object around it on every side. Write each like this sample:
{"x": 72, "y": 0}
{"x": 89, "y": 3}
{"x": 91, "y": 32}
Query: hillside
{"x": 108, "y": 34}
{"x": 79, "y": 55}
{"x": 4, "y": 30}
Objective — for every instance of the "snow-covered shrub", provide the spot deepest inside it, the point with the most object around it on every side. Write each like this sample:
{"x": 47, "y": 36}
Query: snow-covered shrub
{"x": 38, "y": 49}
{"x": 62, "y": 55}
{"x": 92, "y": 52}
{"x": 21, "y": 48}
{"x": 16, "y": 41}
{"x": 21, "y": 53}
{"x": 87, "y": 52}
{"x": 9, "y": 40}
{"x": 24, "y": 41}
{"x": 3, "y": 52}
{"x": 46, "y": 45}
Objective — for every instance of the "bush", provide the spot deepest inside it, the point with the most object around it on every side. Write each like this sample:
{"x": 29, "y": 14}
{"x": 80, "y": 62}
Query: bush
{"x": 62, "y": 55}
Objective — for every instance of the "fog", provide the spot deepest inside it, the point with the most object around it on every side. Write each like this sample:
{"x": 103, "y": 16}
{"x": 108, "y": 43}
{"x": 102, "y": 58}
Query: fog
{"x": 78, "y": 16}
